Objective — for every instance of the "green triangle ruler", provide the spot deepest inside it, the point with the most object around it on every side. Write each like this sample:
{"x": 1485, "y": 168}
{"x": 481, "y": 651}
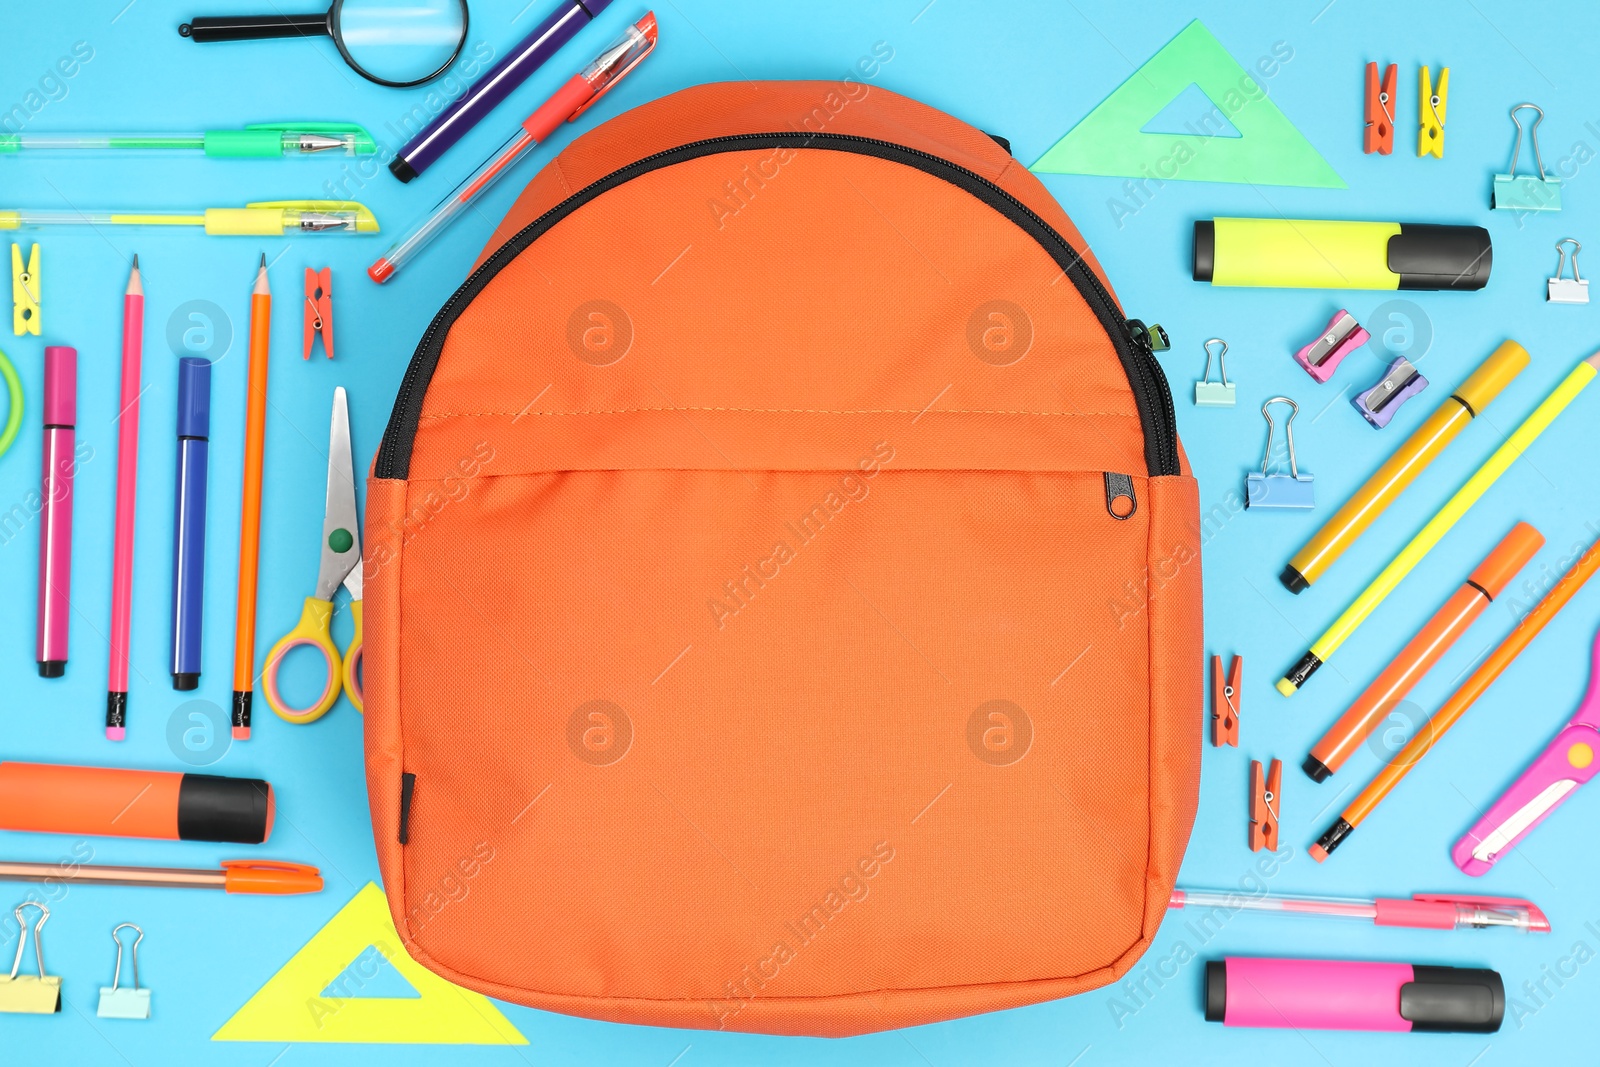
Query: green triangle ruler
{"x": 1268, "y": 150}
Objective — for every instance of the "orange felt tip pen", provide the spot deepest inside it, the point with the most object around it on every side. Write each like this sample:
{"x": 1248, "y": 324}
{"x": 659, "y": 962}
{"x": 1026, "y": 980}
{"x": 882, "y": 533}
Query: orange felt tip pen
{"x": 571, "y": 100}
{"x": 1423, "y": 651}
{"x": 1402, "y": 468}
{"x": 115, "y": 802}
{"x": 255, "y": 877}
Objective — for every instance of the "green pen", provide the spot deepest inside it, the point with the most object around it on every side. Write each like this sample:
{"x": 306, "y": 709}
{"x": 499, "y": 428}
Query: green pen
{"x": 264, "y": 140}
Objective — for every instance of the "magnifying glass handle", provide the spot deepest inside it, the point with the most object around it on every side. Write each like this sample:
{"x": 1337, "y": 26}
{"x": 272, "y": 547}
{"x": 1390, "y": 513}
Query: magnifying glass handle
{"x": 255, "y": 27}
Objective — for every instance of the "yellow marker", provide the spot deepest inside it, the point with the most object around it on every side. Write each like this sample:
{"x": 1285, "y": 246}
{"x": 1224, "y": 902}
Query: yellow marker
{"x": 1336, "y": 254}
{"x": 1447, "y": 516}
{"x": 271, "y": 218}
{"x": 1430, "y": 112}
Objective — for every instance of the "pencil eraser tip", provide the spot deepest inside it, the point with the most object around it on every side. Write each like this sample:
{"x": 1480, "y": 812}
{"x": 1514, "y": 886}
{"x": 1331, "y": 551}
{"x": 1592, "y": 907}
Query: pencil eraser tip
{"x": 1318, "y": 853}
{"x": 116, "y": 733}
{"x": 241, "y": 733}
{"x": 1286, "y": 687}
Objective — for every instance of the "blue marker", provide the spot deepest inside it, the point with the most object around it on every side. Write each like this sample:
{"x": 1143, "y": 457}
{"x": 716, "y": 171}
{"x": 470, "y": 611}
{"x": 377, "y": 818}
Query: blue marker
{"x": 189, "y": 528}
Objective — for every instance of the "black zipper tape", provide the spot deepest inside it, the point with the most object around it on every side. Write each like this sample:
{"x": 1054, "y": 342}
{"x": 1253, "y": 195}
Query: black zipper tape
{"x": 1151, "y": 394}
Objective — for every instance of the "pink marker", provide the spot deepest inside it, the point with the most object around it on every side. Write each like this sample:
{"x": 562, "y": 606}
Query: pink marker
{"x": 55, "y": 509}
{"x": 127, "y": 482}
{"x": 1566, "y": 763}
{"x": 1351, "y": 995}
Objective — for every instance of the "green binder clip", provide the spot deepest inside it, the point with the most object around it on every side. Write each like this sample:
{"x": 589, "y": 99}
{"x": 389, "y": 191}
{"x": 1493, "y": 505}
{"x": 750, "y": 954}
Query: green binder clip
{"x": 119, "y": 1003}
{"x": 1210, "y": 394}
{"x": 1526, "y": 193}
{"x": 27, "y": 994}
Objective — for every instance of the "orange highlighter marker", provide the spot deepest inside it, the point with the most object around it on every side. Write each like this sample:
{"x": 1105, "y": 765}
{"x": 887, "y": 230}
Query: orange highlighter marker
{"x": 1423, "y": 651}
{"x": 115, "y": 802}
{"x": 1401, "y": 469}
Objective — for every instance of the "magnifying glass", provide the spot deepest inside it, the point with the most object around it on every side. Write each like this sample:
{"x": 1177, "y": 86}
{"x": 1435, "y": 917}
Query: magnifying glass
{"x": 398, "y": 43}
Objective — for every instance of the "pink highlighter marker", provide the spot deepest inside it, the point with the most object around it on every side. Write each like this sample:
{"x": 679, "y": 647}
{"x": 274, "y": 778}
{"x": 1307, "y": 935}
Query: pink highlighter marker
{"x": 55, "y": 514}
{"x": 1352, "y": 995}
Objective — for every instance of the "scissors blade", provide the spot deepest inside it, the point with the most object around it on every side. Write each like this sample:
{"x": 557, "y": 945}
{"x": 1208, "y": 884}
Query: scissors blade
{"x": 341, "y": 539}
{"x": 1519, "y": 821}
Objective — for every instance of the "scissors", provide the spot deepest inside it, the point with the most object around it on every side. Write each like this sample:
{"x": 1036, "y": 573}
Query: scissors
{"x": 1566, "y": 763}
{"x": 340, "y": 565}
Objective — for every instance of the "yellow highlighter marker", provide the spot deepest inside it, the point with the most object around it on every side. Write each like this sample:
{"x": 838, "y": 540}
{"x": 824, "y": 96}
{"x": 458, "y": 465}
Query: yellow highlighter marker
{"x": 269, "y": 218}
{"x": 1447, "y": 516}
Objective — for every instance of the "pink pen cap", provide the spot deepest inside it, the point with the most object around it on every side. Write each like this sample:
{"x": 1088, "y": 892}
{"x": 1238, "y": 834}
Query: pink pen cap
{"x": 1452, "y": 911}
{"x": 60, "y": 411}
{"x": 60, "y": 387}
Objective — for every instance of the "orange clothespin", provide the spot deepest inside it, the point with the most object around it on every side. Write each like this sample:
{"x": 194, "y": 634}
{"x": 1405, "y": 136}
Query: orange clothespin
{"x": 1225, "y": 701}
{"x": 1264, "y": 805}
{"x": 319, "y": 310}
{"x": 1380, "y": 110}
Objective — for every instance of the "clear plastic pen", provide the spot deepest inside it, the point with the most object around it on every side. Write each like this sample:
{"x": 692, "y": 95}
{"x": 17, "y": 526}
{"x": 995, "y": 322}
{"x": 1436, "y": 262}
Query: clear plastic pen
{"x": 570, "y": 101}
{"x": 1424, "y": 911}
{"x": 260, "y": 141}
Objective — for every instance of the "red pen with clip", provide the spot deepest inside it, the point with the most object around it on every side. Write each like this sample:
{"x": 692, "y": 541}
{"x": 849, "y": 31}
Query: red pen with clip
{"x": 1424, "y": 911}
{"x": 570, "y": 101}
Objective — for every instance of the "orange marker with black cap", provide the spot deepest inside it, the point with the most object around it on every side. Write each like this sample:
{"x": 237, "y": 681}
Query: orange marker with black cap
{"x": 115, "y": 802}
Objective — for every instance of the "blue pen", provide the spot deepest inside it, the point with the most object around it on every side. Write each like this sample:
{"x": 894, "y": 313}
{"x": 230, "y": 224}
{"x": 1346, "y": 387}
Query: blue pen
{"x": 189, "y": 527}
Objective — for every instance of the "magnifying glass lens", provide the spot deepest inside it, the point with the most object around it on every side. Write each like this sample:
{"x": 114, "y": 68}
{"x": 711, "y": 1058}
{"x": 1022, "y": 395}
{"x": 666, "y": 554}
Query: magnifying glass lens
{"x": 401, "y": 40}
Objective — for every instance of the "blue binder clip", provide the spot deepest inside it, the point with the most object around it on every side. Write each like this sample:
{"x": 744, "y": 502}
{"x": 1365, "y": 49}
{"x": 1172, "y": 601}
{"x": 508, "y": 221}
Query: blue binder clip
{"x": 1527, "y": 193}
{"x": 1264, "y": 489}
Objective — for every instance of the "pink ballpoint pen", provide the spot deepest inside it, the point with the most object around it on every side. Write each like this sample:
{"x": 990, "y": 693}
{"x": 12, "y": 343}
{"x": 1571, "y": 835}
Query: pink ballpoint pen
{"x": 1424, "y": 911}
{"x": 127, "y": 483}
{"x": 1564, "y": 765}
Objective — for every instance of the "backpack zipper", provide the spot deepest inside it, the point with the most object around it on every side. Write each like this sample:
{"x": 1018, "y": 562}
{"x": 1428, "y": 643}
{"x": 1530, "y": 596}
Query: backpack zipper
{"x": 1151, "y": 395}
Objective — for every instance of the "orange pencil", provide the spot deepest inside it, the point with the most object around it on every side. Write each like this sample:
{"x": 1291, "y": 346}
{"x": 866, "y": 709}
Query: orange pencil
{"x": 255, "y": 439}
{"x": 1459, "y": 702}
{"x": 1423, "y": 651}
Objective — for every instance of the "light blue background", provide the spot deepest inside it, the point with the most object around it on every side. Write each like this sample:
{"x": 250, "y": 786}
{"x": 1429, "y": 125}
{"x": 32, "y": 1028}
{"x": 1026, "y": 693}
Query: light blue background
{"x": 1027, "y": 71}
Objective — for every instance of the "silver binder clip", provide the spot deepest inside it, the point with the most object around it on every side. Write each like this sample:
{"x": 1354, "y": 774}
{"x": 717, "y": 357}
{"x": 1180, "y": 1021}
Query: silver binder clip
{"x": 1263, "y": 489}
{"x": 1527, "y": 193}
{"x": 119, "y": 1003}
{"x": 1210, "y": 394}
{"x": 1573, "y": 290}
{"x": 27, "y": 994}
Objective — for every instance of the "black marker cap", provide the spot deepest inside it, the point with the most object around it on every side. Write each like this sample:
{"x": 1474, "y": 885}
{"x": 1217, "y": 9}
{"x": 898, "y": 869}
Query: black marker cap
{"x": 1205, "y": 249}
{"x": 213, "y": 808}
{"x": 1441, "y": 257}
{"x": 1453, "y": 1000}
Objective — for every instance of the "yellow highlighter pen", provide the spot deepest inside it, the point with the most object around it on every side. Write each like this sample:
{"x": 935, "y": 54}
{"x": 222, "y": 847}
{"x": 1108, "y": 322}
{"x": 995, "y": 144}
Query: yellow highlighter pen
{"x": 270, "y": 218}
{"x": 1320, "y": 254}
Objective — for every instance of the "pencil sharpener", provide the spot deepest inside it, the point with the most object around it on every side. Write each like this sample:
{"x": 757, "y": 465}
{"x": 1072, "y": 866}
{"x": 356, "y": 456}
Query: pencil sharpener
{"x": 1399, "y": 383}
{"x": 1342, "y": 336}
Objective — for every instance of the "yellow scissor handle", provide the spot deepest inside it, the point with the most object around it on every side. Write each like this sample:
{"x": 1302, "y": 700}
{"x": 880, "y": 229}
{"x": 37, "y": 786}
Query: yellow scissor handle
{"x": 353, "y": 661}
{"x": 312, "y": 630}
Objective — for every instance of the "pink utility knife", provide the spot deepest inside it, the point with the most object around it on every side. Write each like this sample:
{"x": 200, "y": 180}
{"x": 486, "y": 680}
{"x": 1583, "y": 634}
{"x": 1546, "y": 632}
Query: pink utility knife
{"x": 1564, "y": 765}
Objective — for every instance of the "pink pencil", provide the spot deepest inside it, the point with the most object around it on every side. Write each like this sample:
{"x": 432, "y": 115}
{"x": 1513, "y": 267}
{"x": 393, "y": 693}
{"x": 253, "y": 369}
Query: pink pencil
{"x": 127, "y": 481}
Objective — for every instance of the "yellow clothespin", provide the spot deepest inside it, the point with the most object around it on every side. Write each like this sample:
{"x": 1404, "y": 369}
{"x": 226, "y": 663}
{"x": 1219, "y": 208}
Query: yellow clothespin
{"x": 28, "y": 994}
{"x": 25, "y": 292}
{"x": 1430, "y": 112}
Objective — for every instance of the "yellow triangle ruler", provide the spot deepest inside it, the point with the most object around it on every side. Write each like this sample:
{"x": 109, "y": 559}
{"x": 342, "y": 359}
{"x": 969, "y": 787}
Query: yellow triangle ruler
{"x": 295, "y": 1005}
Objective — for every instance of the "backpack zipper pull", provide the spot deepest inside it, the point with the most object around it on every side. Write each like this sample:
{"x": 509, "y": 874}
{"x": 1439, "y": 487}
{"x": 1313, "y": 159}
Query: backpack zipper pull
{"x": 1151, "y": 338}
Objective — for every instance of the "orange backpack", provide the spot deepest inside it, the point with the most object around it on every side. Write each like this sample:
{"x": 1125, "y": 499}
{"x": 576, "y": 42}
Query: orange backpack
{"x": 783, "y": 585}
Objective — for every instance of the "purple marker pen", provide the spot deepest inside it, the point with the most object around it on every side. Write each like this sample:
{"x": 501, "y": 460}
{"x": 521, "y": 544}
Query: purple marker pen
{"x": 529, "y": 55}
{"x": 55, "y": 508}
